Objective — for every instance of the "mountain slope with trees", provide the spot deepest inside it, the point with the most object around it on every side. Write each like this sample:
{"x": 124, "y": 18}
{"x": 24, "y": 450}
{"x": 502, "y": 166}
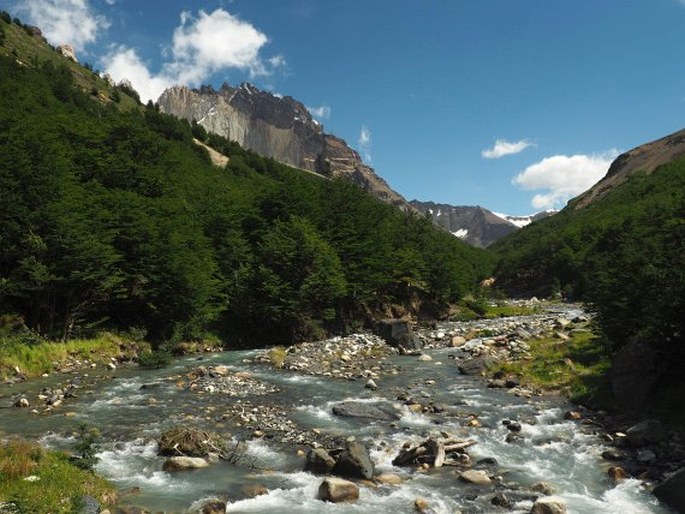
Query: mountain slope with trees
{"x": 112, "y": 217}
{"x": 624, "y": 253}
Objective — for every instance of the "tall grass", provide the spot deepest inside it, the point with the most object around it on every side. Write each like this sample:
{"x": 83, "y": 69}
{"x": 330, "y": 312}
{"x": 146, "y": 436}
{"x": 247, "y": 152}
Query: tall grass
{"x": 55, "y": 486}
{"x": 46, "y": 356}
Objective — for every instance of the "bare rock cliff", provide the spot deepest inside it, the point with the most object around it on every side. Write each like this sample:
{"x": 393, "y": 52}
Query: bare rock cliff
{"x": 280, "y": 128}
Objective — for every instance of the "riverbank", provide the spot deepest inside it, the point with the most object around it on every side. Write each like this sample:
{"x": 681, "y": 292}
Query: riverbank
{"x": 276, "y": 406}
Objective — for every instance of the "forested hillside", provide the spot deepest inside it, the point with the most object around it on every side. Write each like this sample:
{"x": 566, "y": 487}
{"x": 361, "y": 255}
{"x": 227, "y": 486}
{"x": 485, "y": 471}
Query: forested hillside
{"x": 114, "y": 218}
{"x": 624, "y": 253}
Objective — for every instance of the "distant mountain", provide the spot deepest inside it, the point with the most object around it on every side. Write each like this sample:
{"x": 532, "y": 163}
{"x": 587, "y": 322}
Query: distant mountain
{"x": 277, "y": 127}
{"x": 477, "y": 226}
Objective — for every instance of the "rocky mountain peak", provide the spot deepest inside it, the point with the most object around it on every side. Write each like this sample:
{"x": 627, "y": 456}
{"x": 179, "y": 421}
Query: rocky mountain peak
{"x": 278, "y": 127}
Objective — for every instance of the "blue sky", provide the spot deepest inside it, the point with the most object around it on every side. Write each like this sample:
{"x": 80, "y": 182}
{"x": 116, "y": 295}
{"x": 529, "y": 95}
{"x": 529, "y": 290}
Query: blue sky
{"x": 515, "y": 105}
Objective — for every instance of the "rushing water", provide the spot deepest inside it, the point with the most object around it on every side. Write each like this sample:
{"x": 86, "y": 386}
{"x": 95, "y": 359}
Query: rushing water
{"x": 561, "y": 452}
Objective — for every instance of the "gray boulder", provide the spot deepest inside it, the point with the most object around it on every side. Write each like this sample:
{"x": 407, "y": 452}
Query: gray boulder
{"x": 549, "y": 505}
{"x": 354, "y": 462}
{"x": 477, "y": 365}
{"x": 646, "y": 432}
{"x": 319, "y": 461}
{"x": 397, "y": 333}
{"x": 635, "y": 372}
{"x": 364, "y": 410}
{"x": 672, "y": 491}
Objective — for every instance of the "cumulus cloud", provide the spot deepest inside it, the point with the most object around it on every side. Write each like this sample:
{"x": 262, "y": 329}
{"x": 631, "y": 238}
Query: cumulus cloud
{"x": 323, "y": 112}
{"x": 563, "y": 177}
{"x": 365, "y": 143}
{"x": 200, "y": 46}
{"x": 64, "y": 21}
{"x": 503, "y": 147}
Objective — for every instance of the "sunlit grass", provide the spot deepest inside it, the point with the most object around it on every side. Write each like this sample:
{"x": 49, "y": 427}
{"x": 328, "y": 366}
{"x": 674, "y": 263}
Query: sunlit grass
{"x": 35, "y": 359}
{"x": 54, "y": 484}
{"x": 577, "y": 367}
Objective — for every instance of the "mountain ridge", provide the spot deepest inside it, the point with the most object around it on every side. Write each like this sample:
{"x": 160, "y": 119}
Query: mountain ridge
{"x": 277, "y": 127}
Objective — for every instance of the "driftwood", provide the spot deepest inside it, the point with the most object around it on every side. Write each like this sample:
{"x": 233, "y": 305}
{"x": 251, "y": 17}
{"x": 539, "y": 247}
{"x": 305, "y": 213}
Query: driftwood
{"x": 432, "y": 451}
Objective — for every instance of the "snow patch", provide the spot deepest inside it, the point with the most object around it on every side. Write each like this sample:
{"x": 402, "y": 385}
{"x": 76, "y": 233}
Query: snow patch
{"x": 461, "y": 233}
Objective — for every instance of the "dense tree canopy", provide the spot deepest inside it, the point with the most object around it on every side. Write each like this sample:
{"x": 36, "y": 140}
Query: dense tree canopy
{"x": 114, "y": 218}
{"x": 625, "y": 254}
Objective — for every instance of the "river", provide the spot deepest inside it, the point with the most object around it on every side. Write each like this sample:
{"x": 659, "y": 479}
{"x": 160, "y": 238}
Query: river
{"x": 130, "y": 418}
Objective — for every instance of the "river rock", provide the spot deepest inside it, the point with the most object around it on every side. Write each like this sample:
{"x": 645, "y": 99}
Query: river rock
{"x": 397, "y": 333}
{"x": 319, "y": 461}
{"x": 458, "y": 341}
{"x": 337, "y": 490}
{"x": 501, "y": 500}
{"x": 549, "y": 505}
{"x": 354, "y": 462}
{"x": 89, "y": 505}
{"x": 181, "y": 463}
{"x": 213, "y": 507}
{"x": 617, "y": 473}
{"x": 363, "y": 410}
{"x": 389, "y": 479}
{"x": 647, "y": 432}
{"x": 424, "y": 357}
{"x": 477, "y": 365}
{"x": 543, "y": 488}
{"x": 421, "y": 505}
{"x": 475, "y": 476}
{"x": 371, "y": 384}
{"x": 672, "y": 491}
{"x": 613, "y": 454}
{"x": 22, "y": 402}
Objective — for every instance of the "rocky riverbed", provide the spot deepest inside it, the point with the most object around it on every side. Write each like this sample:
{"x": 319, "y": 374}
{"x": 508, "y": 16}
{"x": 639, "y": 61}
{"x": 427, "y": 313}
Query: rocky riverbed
{"x": 424, "y": 429}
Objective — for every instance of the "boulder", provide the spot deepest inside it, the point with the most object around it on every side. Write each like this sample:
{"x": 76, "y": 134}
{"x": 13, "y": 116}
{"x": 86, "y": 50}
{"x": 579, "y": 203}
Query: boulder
{"x": 389, "y": 479}
{"x": 397, "y": 333}
{"x": 549, "y": 505}
{"x": 672, "y": 491}
{"x": 458, "y": 341}
{"x": 477, "y": 365}
{"x": 354, "y": 462}
{"x": 213, "y": 507}
{"x": 543, "y": 488}
{"x": 181, "y": 463}
{"x": 363, "y": 410}
{"x": 475, "y": 476}
{"x": 617, "y": 473}
{"x": 613, "y": 454}
{"x": 421, "y": 505}
{"x": 337, "y": 490}
{"x": 646, "y": 432}
{"x": 635, "y": 372}
{"x": 68, "y": 52}
{"x": 89, "y": 505}
{"x": 319, "y": 461}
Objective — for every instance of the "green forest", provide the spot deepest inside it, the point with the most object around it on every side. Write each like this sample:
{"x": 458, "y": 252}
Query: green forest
{"x": 111, "y": 217}
{"x": 623, "y": 254}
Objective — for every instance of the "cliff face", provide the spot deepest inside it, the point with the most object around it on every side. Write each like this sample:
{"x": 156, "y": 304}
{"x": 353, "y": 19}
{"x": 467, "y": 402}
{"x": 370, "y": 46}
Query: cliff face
{"x": 280, "y": 128}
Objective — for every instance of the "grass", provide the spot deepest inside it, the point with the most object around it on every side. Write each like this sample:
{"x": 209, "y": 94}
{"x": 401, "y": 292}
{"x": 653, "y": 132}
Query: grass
{"x": 32, "y": 51}
{"x": 60, "y": 485}
{"x": 577, "y": 368}
{"x": 277, "y": 356}
{"x": 45, "y": 356}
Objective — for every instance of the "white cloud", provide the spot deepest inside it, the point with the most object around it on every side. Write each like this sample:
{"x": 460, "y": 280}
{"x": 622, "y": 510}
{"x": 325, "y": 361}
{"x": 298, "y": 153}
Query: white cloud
{"x": 71, "y": 22}
{"x": 503, "y": 147}
{"x": 563, "y": 177}
{"x": 111, "y": 2}
{"x": 323, "y": 112}
{"x": 123, "y": 63}
{"x": 200, "y": 46}
{"x": 365, "y": 143}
